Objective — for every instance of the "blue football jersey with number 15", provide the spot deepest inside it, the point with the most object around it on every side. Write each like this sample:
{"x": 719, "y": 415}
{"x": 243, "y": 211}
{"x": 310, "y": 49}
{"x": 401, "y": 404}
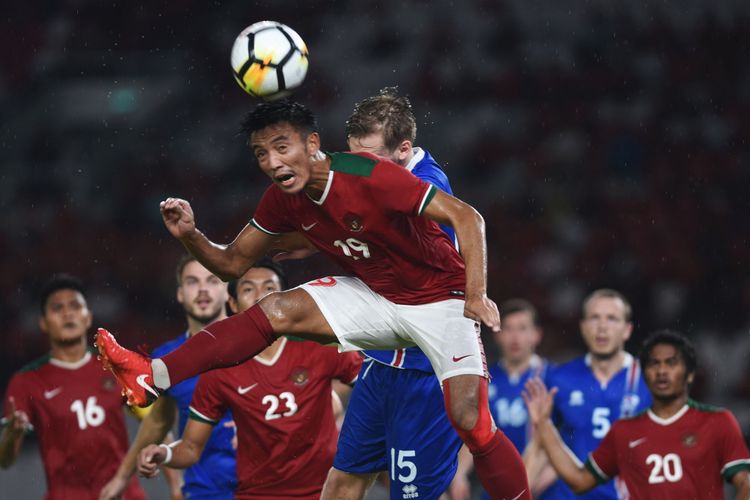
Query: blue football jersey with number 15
{"x": 585, "y": 410}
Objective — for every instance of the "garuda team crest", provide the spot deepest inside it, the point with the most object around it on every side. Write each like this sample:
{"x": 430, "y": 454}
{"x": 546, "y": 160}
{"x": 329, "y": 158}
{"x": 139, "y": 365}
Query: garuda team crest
{"x": 353, "y": 222}
{"x": 299, "y": 376}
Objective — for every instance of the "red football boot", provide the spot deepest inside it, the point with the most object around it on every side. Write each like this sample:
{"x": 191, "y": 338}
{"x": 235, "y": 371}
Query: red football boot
{"x": 132, "y": 370}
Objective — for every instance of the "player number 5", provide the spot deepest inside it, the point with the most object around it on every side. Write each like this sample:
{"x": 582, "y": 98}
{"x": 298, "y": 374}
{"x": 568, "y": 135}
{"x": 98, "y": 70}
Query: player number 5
{"x": 600, "y": 421}
{"x": 90, "y": 414}
{"x": 403, "y": 463}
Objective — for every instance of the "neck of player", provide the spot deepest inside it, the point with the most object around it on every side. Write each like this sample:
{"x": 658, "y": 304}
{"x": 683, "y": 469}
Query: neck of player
{"x": 516, "y": 366}
{"x": 69, "y": 351}
{"x": 666, "y": 407}
{"x": 604, "y": 368}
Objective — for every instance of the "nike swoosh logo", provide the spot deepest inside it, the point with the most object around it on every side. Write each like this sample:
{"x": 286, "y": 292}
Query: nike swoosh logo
{"x": 141, "y": 380}
{"x": 51, "y": 394}
{"x": 633, "y": 444}
{"x": 307, "y": 228}
{"x": 456, "y": 359}
{"x": 245, "y": 390}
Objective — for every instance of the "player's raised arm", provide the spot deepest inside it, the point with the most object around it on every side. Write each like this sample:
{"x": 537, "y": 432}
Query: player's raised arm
{"x": 11, "y": 438}
{"x": 539, "y": 402}
{"x": 226, "y": 261}
{"x": 469, "y": 227}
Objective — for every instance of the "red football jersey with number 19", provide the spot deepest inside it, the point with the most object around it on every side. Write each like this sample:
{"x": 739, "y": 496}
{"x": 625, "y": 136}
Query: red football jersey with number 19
{"x": 689, "y": 454}
{"x": 283, "y": 413}
{"x": 76, "y": 410}
{"x": 368, "y": 220}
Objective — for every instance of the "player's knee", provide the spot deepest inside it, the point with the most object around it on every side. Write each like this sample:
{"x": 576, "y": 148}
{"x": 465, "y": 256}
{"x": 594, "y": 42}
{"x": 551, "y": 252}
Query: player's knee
{"x": 341, "y": 485}
{"x": 469, "y": 413}
{"x": 281, "y": 310}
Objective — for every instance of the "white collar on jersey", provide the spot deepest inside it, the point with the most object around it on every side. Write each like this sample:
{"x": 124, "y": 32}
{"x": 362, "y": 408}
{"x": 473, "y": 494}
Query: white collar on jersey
{"x": 71, "y": 365}
{"x": 626, "y": 360}
{"x": 325, "y": 191}
{"x": 666, "y": 421}
{"x": 272, "y": 361}
{"x": 418, "y": 155}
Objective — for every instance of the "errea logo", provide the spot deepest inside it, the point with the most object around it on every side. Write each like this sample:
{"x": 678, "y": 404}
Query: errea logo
{"x": 410, "y": 491}
{"x": 576, "y": 398}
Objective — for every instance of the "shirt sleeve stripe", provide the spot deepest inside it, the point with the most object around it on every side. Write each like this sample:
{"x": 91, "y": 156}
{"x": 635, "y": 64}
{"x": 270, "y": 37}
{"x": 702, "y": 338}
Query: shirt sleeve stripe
{"x": 255, "y": 223}
{"x": 428, "y": 196}
{"x": 196, "y": 415}
{"x": 594, "y": 468}
{"x": 733, "y": 467}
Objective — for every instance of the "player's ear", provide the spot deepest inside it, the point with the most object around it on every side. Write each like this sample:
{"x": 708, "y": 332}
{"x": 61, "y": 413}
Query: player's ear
{"x": 312, "y": 143}
{"x": 180, "y": 295}
{"x": 43, "y": 324}
{"x": 403, "y": 150}
{"x": 233, "y": 306}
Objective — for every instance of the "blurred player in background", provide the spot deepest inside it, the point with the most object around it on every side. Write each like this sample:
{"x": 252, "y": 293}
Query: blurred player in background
{"x": 281, "y": 402}
{"x": 74, "y": 407}
{"x": 598, "y": 388}
{"x": 384, "y": 430}
{"x": 678, "y": 448}
{"x": 377, "y": 221}
{"x": 203, "y": 297}
{"x": 517, "y": 343}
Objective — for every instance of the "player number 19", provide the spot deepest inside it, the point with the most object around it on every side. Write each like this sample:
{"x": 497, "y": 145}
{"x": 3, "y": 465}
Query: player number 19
{"x": 351, "y": 246}
{"x": 404, "y": 464}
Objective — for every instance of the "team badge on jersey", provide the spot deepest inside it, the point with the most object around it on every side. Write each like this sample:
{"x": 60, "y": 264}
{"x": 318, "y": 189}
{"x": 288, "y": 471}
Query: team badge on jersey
{"x": 689, "y": 440}
{"x": 576, "y": 398}
{"x": 299, "y": 376}
{"x": 354, "y": 222}
{"x": 108, "y": 384}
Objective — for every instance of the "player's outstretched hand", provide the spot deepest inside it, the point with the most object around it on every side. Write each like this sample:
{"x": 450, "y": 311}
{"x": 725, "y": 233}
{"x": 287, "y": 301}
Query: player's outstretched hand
{"x": 113, "y": 489}
{"x": 483, "y": 310}
{"x": 149, "y": 459}
{"x": 178, "y": 217}
{"x": 538, "y": 399}
{"x": 16, "y": 422}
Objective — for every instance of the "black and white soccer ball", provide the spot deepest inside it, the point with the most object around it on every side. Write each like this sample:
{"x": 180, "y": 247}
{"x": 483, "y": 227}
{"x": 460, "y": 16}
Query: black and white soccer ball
{"x": 269, "y": 59}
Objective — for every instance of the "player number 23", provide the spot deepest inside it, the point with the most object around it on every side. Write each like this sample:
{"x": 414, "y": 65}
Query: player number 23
{"x": 274, "y": 402}
{"x": 352, "y": 246}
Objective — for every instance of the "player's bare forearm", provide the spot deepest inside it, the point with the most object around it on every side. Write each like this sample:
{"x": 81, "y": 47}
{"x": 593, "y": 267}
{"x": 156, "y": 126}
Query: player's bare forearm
{"x": 741, "y": 482}
{"x": 153, "y": 429}
{"x": 188, "y": 450}
{"x": 10, "y": 446}
{"x": 576, "y": 476}
{"x": 229, "y": 261}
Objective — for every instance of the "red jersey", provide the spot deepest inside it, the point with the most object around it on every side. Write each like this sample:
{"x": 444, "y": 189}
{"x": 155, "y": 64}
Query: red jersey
{"x": 76, "y": 411}
{"x": 283, "y": 412}
{"x": 368, "y": 220}
{"x": 686, "y": 455}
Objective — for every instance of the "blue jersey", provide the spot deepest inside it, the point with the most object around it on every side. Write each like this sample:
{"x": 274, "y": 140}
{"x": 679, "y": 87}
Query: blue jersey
{"x": 507, "y": 406}
{"x": 585, "y": 410}
{"x": 426, "y": 168}
{"x": 214, "y": 476}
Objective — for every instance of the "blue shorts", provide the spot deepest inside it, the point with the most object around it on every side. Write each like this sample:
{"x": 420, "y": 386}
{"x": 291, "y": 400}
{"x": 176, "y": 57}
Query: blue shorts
{"x": 396, "y": 422}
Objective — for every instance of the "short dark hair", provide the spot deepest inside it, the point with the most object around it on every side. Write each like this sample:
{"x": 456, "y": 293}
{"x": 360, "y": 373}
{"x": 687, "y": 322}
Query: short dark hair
{"x": 388, "y": 112}
{"x": 513, "y": 306}
{"x": 59, "y": 282}
{"x": 268, "y": 264}
{"x": 676, "y": 339}
{"x": 266, "y": 114}
{"x": 185, "y": 259}
{"x": 609, "y": 294}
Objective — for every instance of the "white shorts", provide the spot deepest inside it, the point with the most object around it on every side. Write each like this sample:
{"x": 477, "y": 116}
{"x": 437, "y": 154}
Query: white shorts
{"x": 362, "y": 319}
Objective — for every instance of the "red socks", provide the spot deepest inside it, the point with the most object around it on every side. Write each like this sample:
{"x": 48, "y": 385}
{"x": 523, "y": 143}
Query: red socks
{"x": 221, "y": 344}
{"x": 501, "y": 471}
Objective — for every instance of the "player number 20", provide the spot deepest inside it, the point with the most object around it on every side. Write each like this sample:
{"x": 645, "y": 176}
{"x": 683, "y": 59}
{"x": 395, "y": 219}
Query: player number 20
{"x": 273, "y": 402}
{"x": 404, "y": 465}
{"x": 664, "y": 468}
{"x": 352, "y": 246}
{"x": 89, "y": 414}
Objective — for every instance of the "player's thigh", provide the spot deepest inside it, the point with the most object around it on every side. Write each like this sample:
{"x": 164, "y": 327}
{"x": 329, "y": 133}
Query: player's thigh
{"x": 347, "y": 485}
{"x": 361, "y": 447}
{"x": 360, "y": 318}
{"x": 422, "y": 445}
{"x": 451, "y": 341}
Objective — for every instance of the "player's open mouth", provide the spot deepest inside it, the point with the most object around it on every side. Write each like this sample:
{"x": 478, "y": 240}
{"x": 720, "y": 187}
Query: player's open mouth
{"x": 285, "y": 180}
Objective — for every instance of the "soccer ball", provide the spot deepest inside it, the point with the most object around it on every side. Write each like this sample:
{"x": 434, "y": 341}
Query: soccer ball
{"x": 269, "y": 59}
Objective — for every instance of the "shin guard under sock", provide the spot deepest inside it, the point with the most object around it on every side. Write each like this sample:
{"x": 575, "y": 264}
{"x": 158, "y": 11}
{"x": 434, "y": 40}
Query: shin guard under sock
{"x": 221, "y": 344}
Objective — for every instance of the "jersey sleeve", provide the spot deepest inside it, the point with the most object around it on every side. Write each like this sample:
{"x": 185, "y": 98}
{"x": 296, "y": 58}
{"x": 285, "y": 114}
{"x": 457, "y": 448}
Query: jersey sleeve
{"x": 396, "y": 189}
{"x": 733, "y": 451}
{"x": 21, "y": 398}
{"x": 347, "y": 366}
{"x": 602, "y": 462}
{"x": 208, "y": 405}
{"x": 270, "y": 215}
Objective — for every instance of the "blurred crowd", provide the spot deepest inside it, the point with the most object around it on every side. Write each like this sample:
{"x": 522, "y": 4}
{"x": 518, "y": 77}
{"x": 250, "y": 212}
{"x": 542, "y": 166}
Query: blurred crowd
{"x": 605, "y": 143}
